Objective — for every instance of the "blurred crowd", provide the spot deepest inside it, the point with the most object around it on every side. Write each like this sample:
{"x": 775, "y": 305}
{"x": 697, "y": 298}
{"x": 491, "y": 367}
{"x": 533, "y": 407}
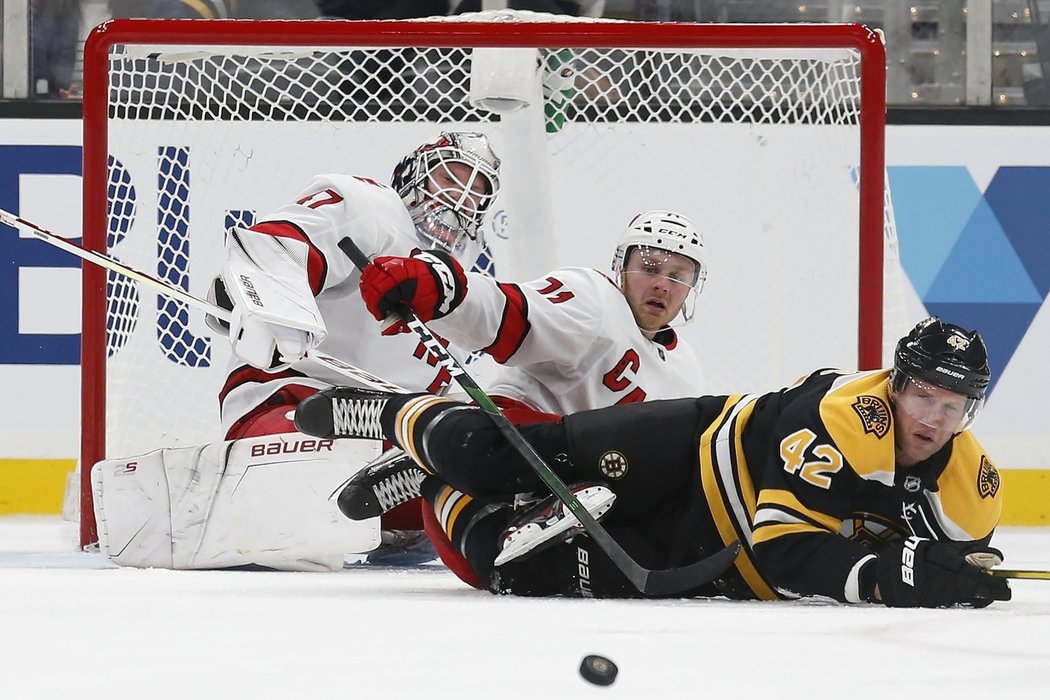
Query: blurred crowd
{"x": 927, "y": 55}
{"x": 56, "y": 28}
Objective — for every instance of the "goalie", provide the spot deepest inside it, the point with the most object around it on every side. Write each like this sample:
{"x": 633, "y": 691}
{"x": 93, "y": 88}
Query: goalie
{"x": 291, "y": 290}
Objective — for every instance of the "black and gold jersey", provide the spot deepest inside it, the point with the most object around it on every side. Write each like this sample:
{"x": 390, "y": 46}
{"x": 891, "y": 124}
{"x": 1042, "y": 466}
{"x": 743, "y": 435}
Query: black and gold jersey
{"x": 806, "y": 479}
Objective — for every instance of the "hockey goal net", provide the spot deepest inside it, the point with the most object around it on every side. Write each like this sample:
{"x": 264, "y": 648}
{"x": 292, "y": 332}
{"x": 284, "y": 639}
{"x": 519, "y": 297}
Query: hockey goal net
{"x": 769, "y": 137}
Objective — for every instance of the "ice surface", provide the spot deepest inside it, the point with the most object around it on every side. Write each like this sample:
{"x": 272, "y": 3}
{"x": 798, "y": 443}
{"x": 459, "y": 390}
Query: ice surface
{"x": 74, "y": 626}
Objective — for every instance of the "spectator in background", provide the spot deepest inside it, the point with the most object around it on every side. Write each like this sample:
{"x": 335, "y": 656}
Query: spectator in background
{"x": 575, "y": 8}
{"x": 275, "y": 9}
{"x": 383, "y": 9}
{"x": 171, "y": 9}
{"x": 407, "y": 9}
{"x": 216, "y": 9}
{"x": 54, "y": 33}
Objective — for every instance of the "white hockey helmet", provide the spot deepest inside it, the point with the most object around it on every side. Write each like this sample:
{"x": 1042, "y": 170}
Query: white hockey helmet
{"x": 666, "y": 231}
{"x": 445, "y": 204}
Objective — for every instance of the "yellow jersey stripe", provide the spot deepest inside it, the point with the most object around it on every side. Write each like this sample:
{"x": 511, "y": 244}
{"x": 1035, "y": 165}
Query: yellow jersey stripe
{"x": 729, "y": 529}
{"x": 453, "y": 515}
{"x": 439, "y": 502}
{"x": 405, "y": 422}
{"x": 786, "y": 499}
{"x": 743, "y": 475}
{"x": 771, "y": 531}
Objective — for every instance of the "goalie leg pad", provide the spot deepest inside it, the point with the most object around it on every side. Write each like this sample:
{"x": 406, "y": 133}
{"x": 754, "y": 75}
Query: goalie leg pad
{"x": 262, "y": 501}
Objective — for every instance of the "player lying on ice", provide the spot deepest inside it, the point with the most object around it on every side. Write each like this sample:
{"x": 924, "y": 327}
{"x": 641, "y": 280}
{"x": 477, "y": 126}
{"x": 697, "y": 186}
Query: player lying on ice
{"x": 854, "y": 486}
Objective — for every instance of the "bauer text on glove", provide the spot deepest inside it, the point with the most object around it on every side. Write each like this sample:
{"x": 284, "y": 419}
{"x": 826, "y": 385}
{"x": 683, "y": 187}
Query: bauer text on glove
{"x": 928, "y": 574}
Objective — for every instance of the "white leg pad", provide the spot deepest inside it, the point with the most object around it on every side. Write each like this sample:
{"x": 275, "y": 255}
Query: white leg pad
{"x": 263, "y": 501}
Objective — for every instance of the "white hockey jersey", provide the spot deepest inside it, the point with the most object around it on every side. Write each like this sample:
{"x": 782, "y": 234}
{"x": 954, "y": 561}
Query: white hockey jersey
{"x": 569, "y": 342}
{"x": 373, "y": 216}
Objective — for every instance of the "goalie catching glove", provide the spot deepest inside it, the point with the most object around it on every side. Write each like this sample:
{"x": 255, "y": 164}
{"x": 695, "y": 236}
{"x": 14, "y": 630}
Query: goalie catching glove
{"x": 430, "y": 283}
{"x": 922, "y": 573}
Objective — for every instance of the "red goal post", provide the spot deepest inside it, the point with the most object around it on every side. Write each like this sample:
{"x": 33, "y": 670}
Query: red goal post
{"x": 771, "y": 137}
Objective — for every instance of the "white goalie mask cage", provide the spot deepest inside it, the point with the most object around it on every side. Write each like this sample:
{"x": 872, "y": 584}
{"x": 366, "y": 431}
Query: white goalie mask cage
{"x": 450, "y": 217}
{"x": 670, "y": 232}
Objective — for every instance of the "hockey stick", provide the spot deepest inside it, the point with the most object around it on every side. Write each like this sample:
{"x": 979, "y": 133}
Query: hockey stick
{"x": 648, "y": 581}
{"x": 1020, "y": 573}
{"x": 169, "y": 290}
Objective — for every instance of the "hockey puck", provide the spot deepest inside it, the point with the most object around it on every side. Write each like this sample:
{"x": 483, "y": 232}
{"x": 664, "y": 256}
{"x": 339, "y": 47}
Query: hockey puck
{"x": 598, "y": 670}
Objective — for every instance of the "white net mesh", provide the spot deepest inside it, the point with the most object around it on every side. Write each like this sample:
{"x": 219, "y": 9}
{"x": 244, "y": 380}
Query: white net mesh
{"x": 431, "y": 85}
{"x": 759, "y": 146}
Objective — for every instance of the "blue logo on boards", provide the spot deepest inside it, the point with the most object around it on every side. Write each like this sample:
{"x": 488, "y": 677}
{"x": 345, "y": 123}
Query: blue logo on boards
{"x": 17, "y": 254}
{"x": 976, "y": 259}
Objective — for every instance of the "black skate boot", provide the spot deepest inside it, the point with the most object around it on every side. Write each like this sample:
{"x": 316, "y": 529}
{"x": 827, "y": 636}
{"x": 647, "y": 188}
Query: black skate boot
{"x": 342, "y": 412}
{"x": 380, "y": 487}
{"x": 547, "y": 522}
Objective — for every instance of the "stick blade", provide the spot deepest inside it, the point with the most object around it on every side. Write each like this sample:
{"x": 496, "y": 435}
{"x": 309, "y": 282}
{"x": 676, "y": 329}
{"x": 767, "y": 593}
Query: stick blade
{"x": 669, "y": 582}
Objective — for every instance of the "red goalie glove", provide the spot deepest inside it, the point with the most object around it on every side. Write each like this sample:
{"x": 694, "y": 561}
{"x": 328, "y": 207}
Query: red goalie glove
{"x": 430, "y": 283}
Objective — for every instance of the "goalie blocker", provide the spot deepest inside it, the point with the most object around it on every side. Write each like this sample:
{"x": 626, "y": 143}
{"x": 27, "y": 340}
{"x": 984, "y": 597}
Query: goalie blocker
{"x": 176, "y": 508}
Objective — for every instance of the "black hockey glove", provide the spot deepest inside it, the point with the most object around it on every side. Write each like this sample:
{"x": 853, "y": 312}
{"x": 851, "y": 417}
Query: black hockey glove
{"x": 921, "y": 573}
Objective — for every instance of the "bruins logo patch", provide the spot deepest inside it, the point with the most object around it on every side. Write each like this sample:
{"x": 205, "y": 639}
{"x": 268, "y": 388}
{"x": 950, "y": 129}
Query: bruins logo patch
{"x": 987, "y": 479}
{"x": 874, "y": 415}
{"x": 871, "y": 529}
{"x": 613, "y": 464}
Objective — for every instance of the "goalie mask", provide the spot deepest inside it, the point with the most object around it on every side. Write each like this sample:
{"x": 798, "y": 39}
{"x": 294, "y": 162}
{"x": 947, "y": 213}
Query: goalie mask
{"x": 656, "y": 235}
{"x": 945, "y": 356}
{"x": 448, "y": 185}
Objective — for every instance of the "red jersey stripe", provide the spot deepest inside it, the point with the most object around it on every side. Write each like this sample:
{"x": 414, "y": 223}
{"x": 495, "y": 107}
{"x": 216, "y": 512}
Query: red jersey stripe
{"x": 514, "y": 325}
{"x": 316, "y": 264}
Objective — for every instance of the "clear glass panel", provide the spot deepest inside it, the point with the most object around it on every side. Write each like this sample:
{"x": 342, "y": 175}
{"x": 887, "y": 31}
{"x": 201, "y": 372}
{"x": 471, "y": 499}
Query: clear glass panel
{"x": 1020, "y": 52}
{"x": 926, "y": 41}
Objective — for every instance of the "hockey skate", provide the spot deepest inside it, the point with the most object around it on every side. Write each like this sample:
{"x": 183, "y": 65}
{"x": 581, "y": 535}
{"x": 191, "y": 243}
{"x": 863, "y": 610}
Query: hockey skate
{"x": 548, "y": 522}
{"x": 342, "y": 412}
{"x": 402, "y": 548}
{"x": 380, "y": 487}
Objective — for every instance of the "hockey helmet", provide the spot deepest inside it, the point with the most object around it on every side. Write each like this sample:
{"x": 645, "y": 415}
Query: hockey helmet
{"x": 947, "y": 356}
{"x": 448, "y": 203}
{"x": 668, "y": 232}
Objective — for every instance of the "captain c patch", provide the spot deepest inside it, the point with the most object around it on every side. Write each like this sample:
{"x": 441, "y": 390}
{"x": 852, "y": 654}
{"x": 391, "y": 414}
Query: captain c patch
{"x": 987, "y": 479}
{"x": 874, "y": 415}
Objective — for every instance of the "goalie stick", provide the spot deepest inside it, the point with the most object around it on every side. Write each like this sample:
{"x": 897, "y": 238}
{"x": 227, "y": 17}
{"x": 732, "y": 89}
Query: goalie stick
{"x": 652, "y": 582}
{"x": 101, "y": 259}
